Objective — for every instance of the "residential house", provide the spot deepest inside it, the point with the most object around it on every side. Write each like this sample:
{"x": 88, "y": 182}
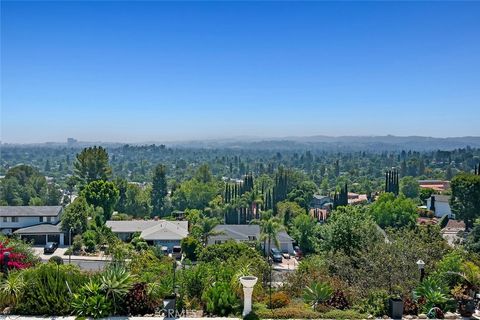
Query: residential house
{"x": 440, "y": 205}
{"x": 355, "y": 198}
{"x": 437, "y": 185}
{"x": 155, "y": 232}
{"x": 13, "y": 218}
{"x": 248, "y": 233}
{"x": 321, "y": 202}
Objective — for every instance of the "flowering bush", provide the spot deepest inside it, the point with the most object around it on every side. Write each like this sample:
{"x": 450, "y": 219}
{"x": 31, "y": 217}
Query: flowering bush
{"x": 20, "y": 255}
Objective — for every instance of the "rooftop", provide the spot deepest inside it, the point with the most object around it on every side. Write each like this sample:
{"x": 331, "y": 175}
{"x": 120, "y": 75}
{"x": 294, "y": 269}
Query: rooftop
{"x": 29, "y": 211}
{"x": 40, "y": 229}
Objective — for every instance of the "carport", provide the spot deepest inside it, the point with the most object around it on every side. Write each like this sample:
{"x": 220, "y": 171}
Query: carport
{"x": 40, "y": 234}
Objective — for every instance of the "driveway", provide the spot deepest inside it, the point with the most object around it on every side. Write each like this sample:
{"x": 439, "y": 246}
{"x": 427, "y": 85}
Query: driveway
{"x": 59, "y": 252}
{"x": 87, "y": 263}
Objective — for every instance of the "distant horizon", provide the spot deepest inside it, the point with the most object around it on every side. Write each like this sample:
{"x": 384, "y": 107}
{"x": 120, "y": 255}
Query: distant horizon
{"x": 180, "y": 71}
{"x": 237, "y": 139}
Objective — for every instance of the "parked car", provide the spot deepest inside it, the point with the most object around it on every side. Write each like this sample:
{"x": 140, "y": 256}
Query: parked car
{"x": 50, "y": 247}
{"x": 276, "y": 255}
{"x": 298, "y": 252}
{"x": 286, "y": 254}
{"x": 177, "y": 252}
{"x": 164, "y": 250}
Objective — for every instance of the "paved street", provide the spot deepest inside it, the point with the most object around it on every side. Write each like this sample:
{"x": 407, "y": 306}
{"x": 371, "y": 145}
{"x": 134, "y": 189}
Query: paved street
{"x": 87, "y": 263}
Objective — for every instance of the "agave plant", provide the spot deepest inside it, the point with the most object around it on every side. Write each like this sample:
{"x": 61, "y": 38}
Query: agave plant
{"x": 317, "y": 293}
{"x": 11, "y": 290}
{"x": 115, "y": 283}
{"x": 434, "y": 293}
{"x": 91, "y": 302}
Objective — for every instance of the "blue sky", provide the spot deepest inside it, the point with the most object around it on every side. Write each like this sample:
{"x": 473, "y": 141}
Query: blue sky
{"x": 161, "y": 71}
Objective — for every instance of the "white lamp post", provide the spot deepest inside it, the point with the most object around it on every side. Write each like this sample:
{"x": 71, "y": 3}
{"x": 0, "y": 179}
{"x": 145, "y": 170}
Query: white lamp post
{"x": 421, "y": 267}
{"x": 248, "y": 282}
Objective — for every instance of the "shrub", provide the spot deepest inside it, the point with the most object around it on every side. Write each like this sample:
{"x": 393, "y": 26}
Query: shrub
{"x": 77, "y": 243}
{"x": 11, "y": 289}
{"x": 137, "y": 301}
{"x": 317, "y": 293}
{"x": 116, "y": 282}
{"x": 56, "y": 259}
{"x": 296, "y": 311}
{"x": 220, "y": 299}
{"x": 375, "y": 304}
{"x": 343, "y": 314}
{"x": 410, "y": 306}
{"x": 279, "y": 300}
{"x": 48, "y": 289}
{"x": 91, "y": 301}
{"x": 338, "y": 300}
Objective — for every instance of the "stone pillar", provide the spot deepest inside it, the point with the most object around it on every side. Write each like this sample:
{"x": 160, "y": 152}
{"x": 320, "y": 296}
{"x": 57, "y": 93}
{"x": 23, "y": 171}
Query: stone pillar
{"x": 248, "y": 282}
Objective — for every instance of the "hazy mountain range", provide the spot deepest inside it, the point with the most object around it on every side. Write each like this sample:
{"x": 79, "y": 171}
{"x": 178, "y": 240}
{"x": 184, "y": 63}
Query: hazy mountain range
{"x": 328, "y": 143}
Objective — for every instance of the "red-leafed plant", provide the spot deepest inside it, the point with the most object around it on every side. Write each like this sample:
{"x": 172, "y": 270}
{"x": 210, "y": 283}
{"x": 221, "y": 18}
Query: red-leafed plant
{"x": 20, "y": 255}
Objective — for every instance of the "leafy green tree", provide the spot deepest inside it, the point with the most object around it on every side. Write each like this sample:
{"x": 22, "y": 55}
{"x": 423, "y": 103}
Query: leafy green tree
{"x": 288, "y": 211}
{"x": 426, "y": 193}
{"x": 193, "y": 194}
{"x": 304, "y": 230}
{"x": 75, "y": 216}
{"x": 137, "y": 201}
{"x": 348, "y": 229}
{"x": 102, "y": 194}
{"x": 159, "y": 190}
{"x": 473, "y": 239}
{"x": 465, "y": 200}
{"x": 23, "y": 185}
{"x": 303, "y": 193}
{"x": 191, "y": 247}
{"x": 389, "y": 211}
{"x": 92, "y": 164}
{"x": 409, "y": 187}
{"x": 203, "y": 174}
{"x": 53, "y": 195}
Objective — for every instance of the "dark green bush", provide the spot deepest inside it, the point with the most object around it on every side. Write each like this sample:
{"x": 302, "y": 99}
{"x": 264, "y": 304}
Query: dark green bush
{"x": 49, "y": 288}
{"x": 56, "y": 259}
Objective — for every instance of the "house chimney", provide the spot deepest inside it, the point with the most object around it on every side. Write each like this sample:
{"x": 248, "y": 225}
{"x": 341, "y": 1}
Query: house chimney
{"x": 432, "y": 203}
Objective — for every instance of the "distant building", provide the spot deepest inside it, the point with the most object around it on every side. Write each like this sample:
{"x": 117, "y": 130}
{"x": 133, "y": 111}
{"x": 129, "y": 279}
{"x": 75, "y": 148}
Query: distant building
{"x": 320, "y": 215}
{"x": 71, "y": 141}
{"x": 155, "y": 232}
{"x": 453, "y": 231}
{"x": 248, "y": 233}
{"x": 440, "y": 205}
{"x": 321, "y": 202}
{"x": 437, "y": 185}
{"x": 355, "y": 198}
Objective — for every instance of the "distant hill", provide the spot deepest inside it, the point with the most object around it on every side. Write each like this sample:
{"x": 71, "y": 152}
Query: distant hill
{"x": 327, "y": 143}
{"x": 343, "y": 143}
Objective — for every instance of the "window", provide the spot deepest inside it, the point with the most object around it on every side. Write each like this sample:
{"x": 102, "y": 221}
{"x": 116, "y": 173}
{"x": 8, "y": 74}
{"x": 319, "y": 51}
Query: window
{"x": 49, "y": 219}
{"x": 41, "y": 219}
{"x": 218, "y": 241}
{"x": 252, "y": 238}
{"x": 5, "y": 219}
{"x": 14, "y": 219}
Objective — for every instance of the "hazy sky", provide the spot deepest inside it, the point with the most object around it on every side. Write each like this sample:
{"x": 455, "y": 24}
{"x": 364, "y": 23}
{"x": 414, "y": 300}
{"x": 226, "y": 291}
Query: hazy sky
{"x": 157, "y": 71}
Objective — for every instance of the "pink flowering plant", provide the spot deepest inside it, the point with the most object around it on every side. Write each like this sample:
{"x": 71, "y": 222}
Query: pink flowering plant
{"x": 21, "y": 256}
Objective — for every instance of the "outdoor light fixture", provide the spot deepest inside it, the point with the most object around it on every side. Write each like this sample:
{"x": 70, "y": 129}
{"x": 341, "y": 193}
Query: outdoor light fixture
{"x": 421, "y": 267}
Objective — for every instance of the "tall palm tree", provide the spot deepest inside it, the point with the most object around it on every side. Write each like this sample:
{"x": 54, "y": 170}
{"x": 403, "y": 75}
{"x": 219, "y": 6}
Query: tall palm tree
{"x": 269, "y": 228}
{"x": 204, "y": 229}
